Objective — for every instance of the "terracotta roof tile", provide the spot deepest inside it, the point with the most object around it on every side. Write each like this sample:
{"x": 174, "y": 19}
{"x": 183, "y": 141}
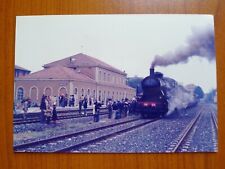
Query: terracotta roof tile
{"x": 83, "y": 60}
{"x": 58, "y": 72}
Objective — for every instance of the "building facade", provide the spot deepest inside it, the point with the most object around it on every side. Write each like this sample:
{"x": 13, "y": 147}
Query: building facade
{"x": 78, "y": 75}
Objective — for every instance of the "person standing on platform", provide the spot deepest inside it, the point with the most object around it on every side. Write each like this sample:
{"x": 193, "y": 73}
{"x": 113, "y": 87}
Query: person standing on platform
{"x": 71, "y": 101}
{"x": 43, "y": 108}
{"x": 61, "y": 100}
{"x": 48, "y": 112}
{"x": 126, "y": 107}
{"x": 65, "y": 104}
{"x": 133, "y": 106}
{"x": 54, "y": 100}
{"x": 85, "y": 106}
{"x": 90, "y": 101}
{"x": 109, "y": 106}
{"x": 94, "y": 111}
{"x": 114, "y": 108}
{"x": 54, "y": 114}
{"x": 80, "y": 105}
{"x": 119, "y": 110}
{"x": 25, "y": 108}
{"x": 96, "y": 115}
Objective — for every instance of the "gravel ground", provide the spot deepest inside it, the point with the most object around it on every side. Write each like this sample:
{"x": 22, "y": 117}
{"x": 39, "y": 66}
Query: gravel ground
{"x": 36, "y": 131}
{"x": 70, "y": 141}
{"x": 155, "y": 137}
{"x": 205, "y": 137}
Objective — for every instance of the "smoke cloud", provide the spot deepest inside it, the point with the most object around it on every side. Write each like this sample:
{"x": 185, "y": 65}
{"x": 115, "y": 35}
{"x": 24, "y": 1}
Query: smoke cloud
{"x": 200, "y": 43}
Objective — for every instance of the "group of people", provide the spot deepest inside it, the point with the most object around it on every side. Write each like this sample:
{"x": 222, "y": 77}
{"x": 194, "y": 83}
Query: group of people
{"x": 121, "y": 108}
{"x": 65, "y": 100}
{"x": 83, "y": 105}
{"x": 48, "y": 105}
{"x": 26, "y": 103}
{"x": 48, "y": 110}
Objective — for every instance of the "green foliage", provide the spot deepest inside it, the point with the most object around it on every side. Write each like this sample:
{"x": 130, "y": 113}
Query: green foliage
{"x": 199, "y": 92}
{"x": 210, "y": 97}
{"x": 135, "y": 82}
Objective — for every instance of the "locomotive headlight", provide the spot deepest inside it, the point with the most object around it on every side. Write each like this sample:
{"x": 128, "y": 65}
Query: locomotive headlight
{"x": 153, "y": 104}
{"x": 145, "y": 104}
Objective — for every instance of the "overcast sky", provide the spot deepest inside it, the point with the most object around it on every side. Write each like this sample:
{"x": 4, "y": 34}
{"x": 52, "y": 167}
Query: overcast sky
{"x": 127, "y": 42}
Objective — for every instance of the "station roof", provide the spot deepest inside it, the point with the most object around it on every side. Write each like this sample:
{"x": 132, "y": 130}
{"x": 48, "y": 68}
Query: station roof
{"x": 58, "y": 73}
{"x": 83, "y": 60}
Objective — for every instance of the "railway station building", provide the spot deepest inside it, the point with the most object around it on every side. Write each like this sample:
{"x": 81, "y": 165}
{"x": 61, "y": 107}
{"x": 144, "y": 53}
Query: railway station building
{"x": 79, "y": 75}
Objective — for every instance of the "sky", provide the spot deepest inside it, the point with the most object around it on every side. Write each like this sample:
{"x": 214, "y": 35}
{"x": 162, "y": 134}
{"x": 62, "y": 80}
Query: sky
{"x": 127, "y": 42}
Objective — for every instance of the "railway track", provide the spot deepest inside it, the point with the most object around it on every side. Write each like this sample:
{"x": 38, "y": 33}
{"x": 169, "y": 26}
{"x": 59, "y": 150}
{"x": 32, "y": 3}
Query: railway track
{"x": 214, "y": 119}
{"x": 60, "y": 117}
{"x": 73, "y": 141}
{"x": 178, "y": 144}
{"x": 214, "y": 131}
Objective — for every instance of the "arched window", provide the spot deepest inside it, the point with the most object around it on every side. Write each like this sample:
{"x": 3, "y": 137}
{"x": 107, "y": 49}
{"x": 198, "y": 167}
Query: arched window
{"x": 34, "y": 93}
{"x": 48, "y": 91}
{"x": 104, "y": 76}
{"x": 99, "y": 95}
{"x": 20, "y": 94}
{"x": 82, "y": 92}
{"x": 93, "y": 94}
{"x": 75, "y": 91}
{"x": 62, "y": 91}
{"x": 108, "y": 77}
{"x": 100, "y": 74}
{"x": 88, "y": 91}
{"x": 104, "y": 95}
{"x": 108, "y": 93}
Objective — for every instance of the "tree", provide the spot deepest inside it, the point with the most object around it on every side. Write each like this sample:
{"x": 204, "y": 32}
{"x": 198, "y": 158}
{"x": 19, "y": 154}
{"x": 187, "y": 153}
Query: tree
{"x": 135, "y": 82}
{"x": 199, "y": 92}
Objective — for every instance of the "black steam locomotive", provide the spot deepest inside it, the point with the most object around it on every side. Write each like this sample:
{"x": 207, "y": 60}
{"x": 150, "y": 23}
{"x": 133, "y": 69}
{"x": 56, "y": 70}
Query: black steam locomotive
{"x": 153, "y": 102}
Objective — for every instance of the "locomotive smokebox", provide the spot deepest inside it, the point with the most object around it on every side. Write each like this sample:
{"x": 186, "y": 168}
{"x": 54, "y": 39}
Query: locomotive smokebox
{"x": 152, "y": 72}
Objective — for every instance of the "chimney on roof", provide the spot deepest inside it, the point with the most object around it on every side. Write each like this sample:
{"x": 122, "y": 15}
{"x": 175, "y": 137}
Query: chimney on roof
{"x": 72, "y": 60}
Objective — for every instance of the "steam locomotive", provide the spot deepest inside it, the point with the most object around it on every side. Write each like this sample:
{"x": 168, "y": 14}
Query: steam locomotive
{"x": 153, "y": 102}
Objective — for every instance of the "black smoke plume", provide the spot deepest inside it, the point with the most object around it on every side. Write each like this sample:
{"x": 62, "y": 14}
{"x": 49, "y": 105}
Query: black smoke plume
{"x": 200, "y": 43}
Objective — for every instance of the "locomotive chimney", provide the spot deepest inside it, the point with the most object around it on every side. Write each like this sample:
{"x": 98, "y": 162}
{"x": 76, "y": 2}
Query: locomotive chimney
{"x": 152, "y": 72}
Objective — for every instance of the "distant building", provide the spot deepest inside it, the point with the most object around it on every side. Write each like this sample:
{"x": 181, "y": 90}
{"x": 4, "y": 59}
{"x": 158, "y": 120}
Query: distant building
{"x": 79, "y": 75}
{"x": 20, "y": 71}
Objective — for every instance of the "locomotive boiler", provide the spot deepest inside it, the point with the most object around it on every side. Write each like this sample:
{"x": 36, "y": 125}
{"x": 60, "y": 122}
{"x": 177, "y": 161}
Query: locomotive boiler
{"x": 153, "y": 102}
